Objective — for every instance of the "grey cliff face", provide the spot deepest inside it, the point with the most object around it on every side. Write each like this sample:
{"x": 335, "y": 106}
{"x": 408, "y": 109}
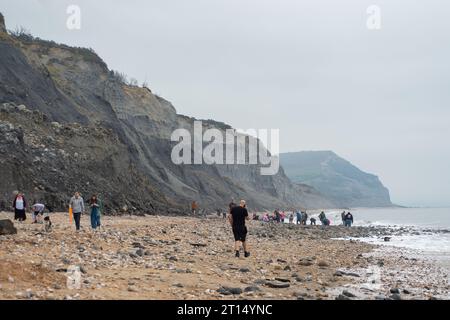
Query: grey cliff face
{"x": 129, "y": 162}
{"x": 336, "y": 178}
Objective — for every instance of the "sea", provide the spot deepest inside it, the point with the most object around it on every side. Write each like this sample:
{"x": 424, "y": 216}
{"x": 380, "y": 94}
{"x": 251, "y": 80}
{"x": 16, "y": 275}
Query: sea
{"x": 428, "y": 229}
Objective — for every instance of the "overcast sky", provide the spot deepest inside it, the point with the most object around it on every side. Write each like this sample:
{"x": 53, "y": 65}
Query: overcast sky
{"x": 379, "y": 98}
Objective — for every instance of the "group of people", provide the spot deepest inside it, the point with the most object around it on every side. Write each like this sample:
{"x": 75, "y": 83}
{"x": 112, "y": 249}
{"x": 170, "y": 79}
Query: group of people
{"x": 238, "y": 215}
{"x": 38, "y": 212}
{"x": 347, "y": 218}
{"x": 301, "y": 218}
{"x": 41, "y": 212}
{"x": 76, "y": 205}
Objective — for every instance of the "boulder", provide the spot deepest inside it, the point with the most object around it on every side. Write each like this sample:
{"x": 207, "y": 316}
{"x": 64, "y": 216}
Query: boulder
{"x": 7, "y": 227}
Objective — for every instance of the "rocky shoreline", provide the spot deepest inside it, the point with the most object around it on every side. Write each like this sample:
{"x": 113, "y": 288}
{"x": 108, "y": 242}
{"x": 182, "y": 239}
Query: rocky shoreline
{"x": 161, "y": 257}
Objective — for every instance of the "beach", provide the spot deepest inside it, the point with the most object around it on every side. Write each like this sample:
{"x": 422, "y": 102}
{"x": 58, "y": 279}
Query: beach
{"x": 165, "y": 257}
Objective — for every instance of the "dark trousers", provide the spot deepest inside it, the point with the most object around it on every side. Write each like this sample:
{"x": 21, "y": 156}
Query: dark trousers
{"x": 20, "y": 215}
{"x": 77, "y": 218}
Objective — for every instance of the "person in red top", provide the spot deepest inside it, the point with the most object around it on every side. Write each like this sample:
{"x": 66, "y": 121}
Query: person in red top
{"x": 20, "y": 205}
{"x": 194, "y": 207}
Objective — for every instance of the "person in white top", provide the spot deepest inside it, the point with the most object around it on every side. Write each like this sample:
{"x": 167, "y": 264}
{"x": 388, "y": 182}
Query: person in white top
{"x": 38, "y": 211}
{"x": 19, "y": 206}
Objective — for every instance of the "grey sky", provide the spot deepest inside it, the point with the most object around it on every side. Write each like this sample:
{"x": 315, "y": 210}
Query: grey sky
{"x": 380, "y": 99}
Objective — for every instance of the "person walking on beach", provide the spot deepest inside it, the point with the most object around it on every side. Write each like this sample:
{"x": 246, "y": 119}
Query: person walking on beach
{"x": 343, "y": 217}
{"x": 313, "y": 221}
{"x": 299, "y": 217}
{"x": 20, "y": 205}
{"x": 348, "y": 219}
{"x": 304, "y": 218}
{"x": 194, "y": 207}
{"x": 77, "y": 205}
{"x": 291, "y": 217}
{"x": 37, "y": 211}
{"x": 323, "y": 219}
{"x": 94, "y": 204}
{"x": 237, "y": 219}
{"x": 277, "y": 216}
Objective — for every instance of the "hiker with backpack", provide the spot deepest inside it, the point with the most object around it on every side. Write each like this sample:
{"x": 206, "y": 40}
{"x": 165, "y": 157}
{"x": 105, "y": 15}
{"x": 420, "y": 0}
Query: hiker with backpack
{"x": 348, "y": 220}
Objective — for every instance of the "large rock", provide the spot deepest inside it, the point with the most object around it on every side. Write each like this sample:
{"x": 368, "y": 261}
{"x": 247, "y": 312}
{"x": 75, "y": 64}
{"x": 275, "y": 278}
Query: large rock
{"x": 7, "y": 227}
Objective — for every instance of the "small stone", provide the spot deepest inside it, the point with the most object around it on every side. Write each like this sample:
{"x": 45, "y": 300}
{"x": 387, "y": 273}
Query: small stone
{"x": 300, "y": 294}
{"x": 244, "y": 270}
{"x": 282, "y": 280}
{"x": 323, "y": 264}
{"x": 137, "y": 245}
{"x": 342, "y": 297}
{"x": 396, "y": 296}
{"x": 305, "y": 263}
{"x": 229, "y": 291}
{"x": 252, "y": 289}
{"x": 29, "y": 294}
{"x": 395, "y": 290}
{"x": 277, "y": 284}
{"x": 348, "y": 294}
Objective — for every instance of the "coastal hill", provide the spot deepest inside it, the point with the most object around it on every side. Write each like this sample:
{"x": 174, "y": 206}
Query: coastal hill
{"x": 336, "y": 178}
{"x": 70, "y": 123}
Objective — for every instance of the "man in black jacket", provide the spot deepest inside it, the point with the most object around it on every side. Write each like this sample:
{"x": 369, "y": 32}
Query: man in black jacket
{"x": 237, "y": 218}
{"x": 348, "y": 220}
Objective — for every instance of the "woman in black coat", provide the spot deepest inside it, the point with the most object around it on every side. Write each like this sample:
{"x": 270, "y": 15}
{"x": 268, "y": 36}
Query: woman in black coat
{"x": 20, "y": 205}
